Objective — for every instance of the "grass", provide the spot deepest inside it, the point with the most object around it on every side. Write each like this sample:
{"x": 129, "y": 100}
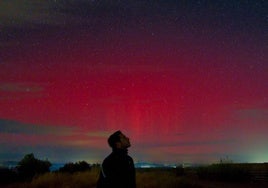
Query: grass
{"x": 154, "y": 178}
{"x": 163, "y": 178}
{"x": 226, "y": 172}
{"x": 151, "y": 178}
{"x": 86, "y": 179}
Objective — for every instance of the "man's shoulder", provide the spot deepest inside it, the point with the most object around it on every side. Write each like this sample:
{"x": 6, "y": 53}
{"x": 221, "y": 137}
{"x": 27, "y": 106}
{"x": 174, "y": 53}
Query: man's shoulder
{"x": 110, "y": 158}
{"x": 115, "y": 157}
{"x": 129, "y": 157}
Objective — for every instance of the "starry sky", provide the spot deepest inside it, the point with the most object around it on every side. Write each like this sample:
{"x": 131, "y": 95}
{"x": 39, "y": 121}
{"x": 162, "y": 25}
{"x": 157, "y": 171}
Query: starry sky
{"x": 186, "y": 80}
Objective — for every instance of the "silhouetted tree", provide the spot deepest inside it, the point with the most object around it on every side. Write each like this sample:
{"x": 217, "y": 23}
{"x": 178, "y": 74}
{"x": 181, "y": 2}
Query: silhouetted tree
{"x": 75, "y": 167}
{"x": 29, "y": 166}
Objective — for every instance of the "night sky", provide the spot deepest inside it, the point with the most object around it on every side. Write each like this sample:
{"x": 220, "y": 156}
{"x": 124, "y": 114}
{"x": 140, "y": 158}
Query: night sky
{"x": 186, "y": 80}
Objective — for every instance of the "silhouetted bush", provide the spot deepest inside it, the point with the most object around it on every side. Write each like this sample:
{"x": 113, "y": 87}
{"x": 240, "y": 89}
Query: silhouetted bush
{"x": 75, "y": 167}
{"x": 7, "y": 176}
{"x": 180, "y": 170}
{"x": 225, "y": 172}
{"x": 29, "y": 166}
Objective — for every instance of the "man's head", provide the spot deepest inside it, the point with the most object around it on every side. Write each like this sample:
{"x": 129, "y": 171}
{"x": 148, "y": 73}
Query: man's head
{"x": 118, "y": 141}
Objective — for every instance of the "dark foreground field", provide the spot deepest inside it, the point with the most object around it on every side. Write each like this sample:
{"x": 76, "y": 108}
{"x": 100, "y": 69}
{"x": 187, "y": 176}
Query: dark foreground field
{"x": 221, "y": 175}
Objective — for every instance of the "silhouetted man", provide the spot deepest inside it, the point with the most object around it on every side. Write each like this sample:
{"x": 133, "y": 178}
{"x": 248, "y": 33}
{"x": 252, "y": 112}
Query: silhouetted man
{"x": 118, "y": 169}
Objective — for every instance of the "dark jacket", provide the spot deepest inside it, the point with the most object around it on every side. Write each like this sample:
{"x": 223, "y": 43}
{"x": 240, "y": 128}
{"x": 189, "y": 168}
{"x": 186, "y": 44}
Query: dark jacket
{"x": 117, "y": 171}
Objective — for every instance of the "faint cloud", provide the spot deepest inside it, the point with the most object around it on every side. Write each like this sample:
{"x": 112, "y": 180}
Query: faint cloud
{"x": 180, "y": 134}
{"x": 14, "y": 127}
{"x": 32, "y": 13}
{"x": 211, "y": 142}
{"x": 20, "y": 12}
{"x": 99, "y": 134}
{"x": 125, "y": 100}
{"x": 253, "y": 114}
{"x": 20, "y": 87}
{"x": 15, "y": 91}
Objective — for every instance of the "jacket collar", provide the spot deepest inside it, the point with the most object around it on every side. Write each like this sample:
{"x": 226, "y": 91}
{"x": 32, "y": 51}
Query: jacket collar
{"x": 120, "y": 151}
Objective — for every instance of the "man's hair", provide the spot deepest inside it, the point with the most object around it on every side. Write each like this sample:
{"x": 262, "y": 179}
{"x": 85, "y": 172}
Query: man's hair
{"x": 114, "y": 138}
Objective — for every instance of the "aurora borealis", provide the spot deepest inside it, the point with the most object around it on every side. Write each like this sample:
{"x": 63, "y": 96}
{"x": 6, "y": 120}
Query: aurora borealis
{"x": 187, "y": 81}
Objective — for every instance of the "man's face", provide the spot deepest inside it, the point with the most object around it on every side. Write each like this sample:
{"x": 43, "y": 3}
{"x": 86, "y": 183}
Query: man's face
{"x": 124, "y": 142}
